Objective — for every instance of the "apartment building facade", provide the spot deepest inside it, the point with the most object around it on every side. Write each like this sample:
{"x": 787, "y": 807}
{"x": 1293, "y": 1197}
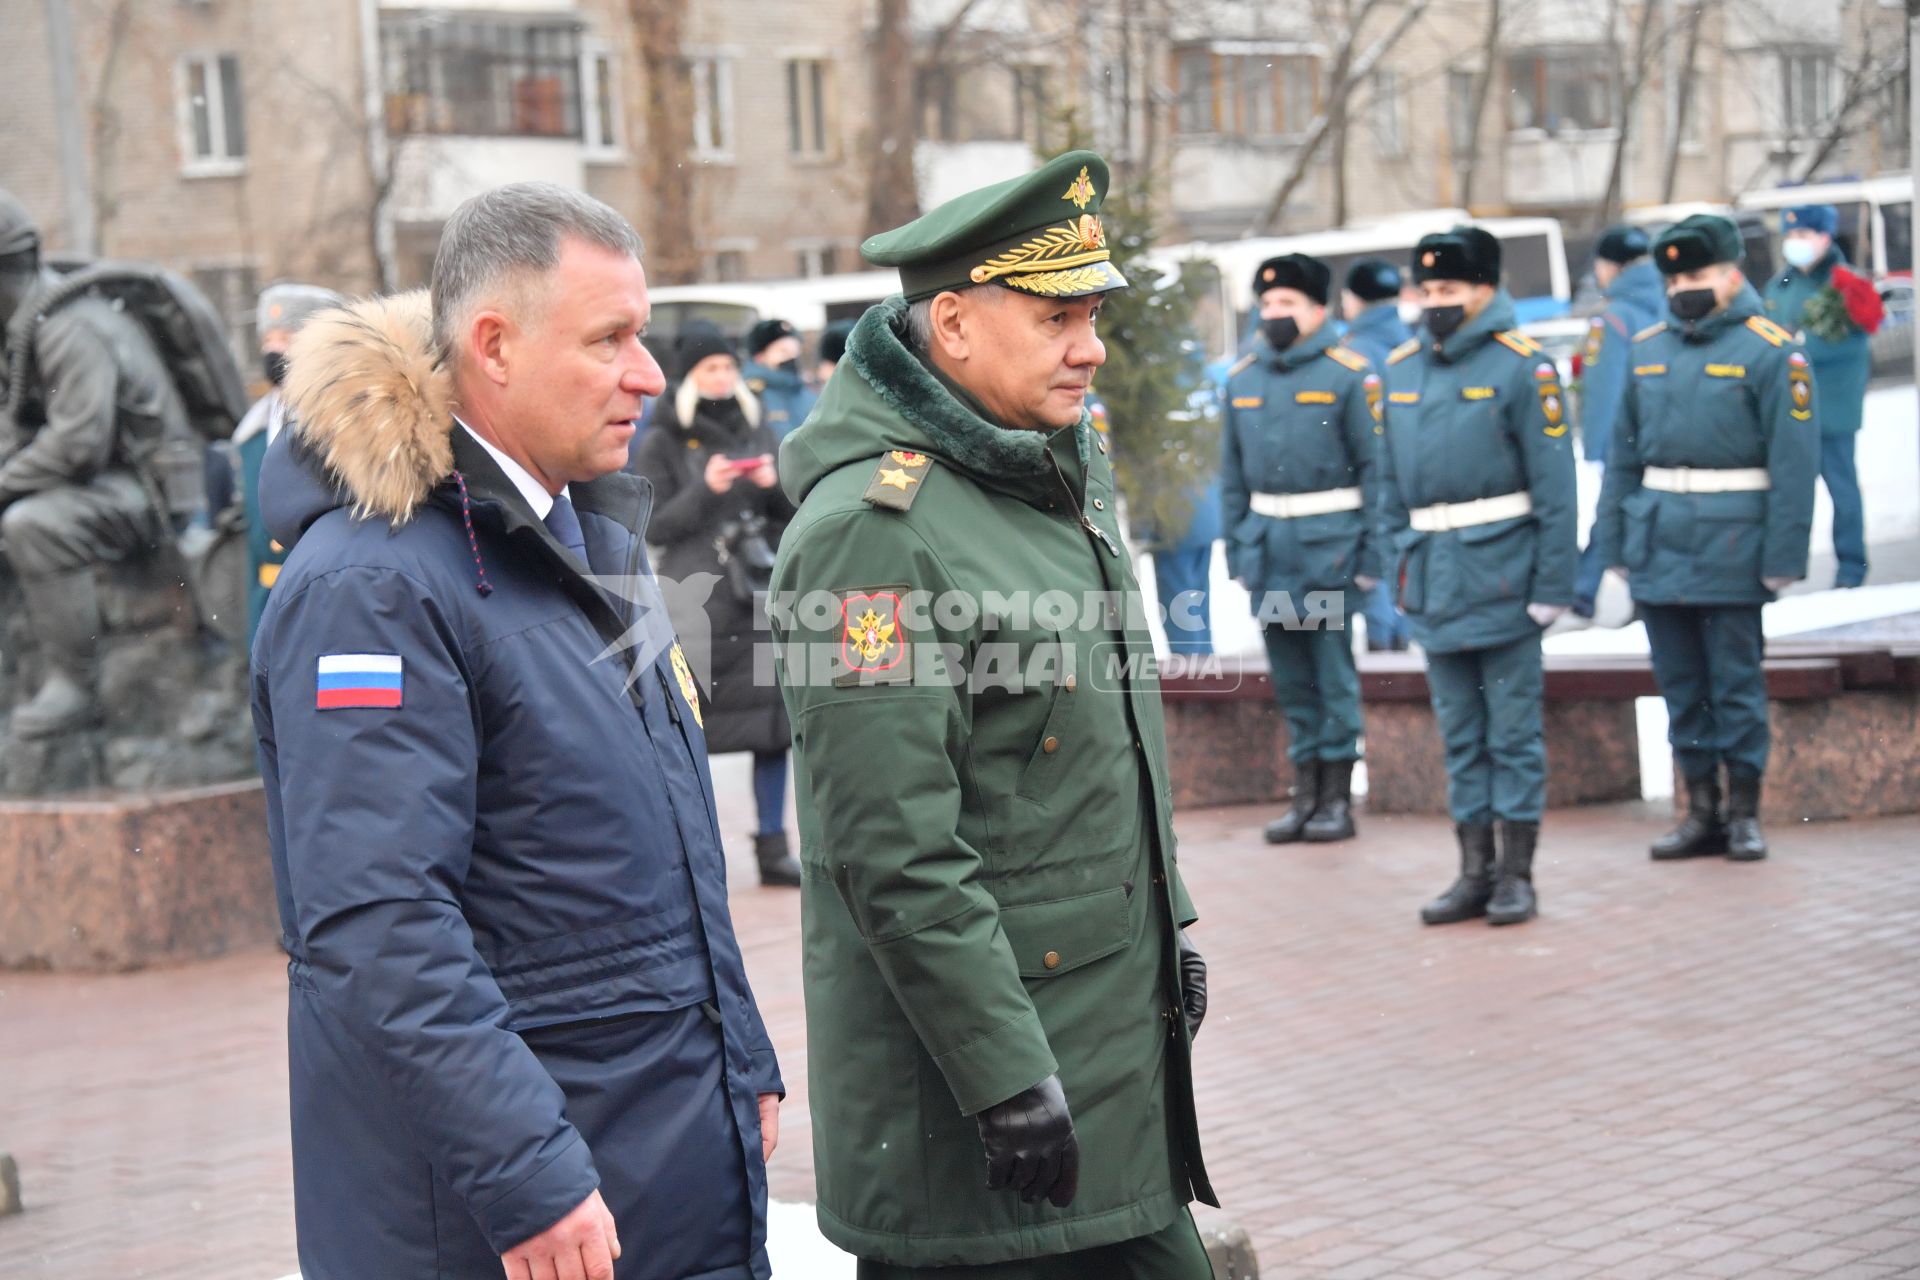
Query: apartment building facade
{"x": 243, "y": 141}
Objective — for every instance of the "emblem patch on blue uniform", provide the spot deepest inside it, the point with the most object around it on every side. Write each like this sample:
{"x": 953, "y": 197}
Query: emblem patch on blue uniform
{"x": 357, "y": 680}
{"x": 1373, "y": 388}
{"x": 1547, "y": 378}
{"x": 1800, "y": 386}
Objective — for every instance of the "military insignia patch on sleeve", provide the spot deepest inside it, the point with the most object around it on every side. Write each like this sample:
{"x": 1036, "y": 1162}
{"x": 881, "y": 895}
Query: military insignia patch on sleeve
{"x": 1374, "y": 387}
{"x": 1596, "y": 334}
{"x": 1800, "y": 387}
{"x": 1547, "y": 379}
{"x": 874, "y": 645}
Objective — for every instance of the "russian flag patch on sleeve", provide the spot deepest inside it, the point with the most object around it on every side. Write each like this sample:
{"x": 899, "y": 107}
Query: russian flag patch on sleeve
{"x": 357, "y": 680}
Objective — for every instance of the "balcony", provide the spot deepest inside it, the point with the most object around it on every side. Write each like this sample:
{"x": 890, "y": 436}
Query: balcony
{"x": 1556, "y": 169}
{"x": 433, "y": 174}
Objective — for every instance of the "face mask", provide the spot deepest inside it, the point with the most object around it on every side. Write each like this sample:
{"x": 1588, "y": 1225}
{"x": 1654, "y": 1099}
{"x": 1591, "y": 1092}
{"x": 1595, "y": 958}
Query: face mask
{"x": 1410, "y": 313}
{"x": 1441, "y": 322}
{"x": 274, "y": 365}
{"x": 791, "y": 366}
{"x": 1690, "y": 305}
{"x": 1282, "y": 332}
{"x": 1800, "y": 253}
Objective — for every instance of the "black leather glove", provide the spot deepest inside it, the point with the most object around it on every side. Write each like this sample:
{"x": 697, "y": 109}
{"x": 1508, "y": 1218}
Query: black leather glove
{"x": 1030, "y": 1145}
{"x": 1193, "y": 985}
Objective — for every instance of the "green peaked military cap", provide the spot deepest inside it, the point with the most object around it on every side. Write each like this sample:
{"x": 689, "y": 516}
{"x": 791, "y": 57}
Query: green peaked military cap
{"x": 1696, "y": 242}
{"x": 1038, "y": 234}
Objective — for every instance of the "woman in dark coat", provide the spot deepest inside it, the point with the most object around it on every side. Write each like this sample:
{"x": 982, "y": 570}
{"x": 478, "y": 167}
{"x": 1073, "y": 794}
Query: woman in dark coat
{"x": 718, "y": 509}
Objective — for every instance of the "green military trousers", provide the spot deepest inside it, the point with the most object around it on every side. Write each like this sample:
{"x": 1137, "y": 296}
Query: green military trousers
{"x": 1174, "y": 1253}
{"x": 1707, "y": 662}
{"x": 1318, "y": 689}
{"x": 1488, "y": 704}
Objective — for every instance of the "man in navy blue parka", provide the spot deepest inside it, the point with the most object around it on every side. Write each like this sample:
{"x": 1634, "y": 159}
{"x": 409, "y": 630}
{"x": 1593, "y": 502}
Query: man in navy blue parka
{"x": 519, "y": 1029}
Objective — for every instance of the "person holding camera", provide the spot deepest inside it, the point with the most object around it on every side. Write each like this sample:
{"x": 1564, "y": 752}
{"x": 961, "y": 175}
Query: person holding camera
{"x": 718, "y": 512}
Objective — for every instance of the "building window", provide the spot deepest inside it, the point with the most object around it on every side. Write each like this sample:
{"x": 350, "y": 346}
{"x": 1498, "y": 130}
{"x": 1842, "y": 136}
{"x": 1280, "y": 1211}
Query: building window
{"x": 211, "y": 112}
{"x": 233, "y": 292}
{"x": 728, "y": 266}
{"x": 481, "y": 77}
{"x": 1384, "y": 112}
{"x": 1806, "y": 91}
{"x": 599, "y": 102}
{"x": 1561, "y": 91}
{"x": 712, "y": 108}
{"x": 1254, "y": 96}
{"x": 1462, "y": 86}
{"x": 809, "y": 84}
{"x": 816, "y": 259}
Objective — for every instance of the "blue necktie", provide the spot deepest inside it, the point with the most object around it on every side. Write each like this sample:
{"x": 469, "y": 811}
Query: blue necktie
{"x": 564, "y": 524}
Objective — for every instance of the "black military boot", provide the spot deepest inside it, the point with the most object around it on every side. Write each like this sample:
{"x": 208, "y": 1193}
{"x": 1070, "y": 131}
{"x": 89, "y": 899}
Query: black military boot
{"x": 777, "y": 865}
{"x": 65, "y": 612}
{"x": 1467, "y": 898}
{"x": 1745, "y": 843}
{"x": 1286, "y": 828}
{"x": 1513, "y": 900}
{"x": 1333, "y": 817}
{"x": 1702, "y": 831}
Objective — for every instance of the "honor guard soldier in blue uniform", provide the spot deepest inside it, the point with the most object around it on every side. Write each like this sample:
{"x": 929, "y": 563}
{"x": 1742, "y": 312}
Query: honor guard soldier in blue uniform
{"x": 1707, "y": 506}
{"x": 1296, "y": 474}
{"x": 1636, "y": 297}
{"x": 1477, "y": 488}
{"x": 1371, "y": 304}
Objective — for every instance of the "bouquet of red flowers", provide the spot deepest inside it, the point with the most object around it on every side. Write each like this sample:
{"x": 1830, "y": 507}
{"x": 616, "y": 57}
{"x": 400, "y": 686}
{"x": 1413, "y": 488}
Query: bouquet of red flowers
{"x": 1848, "y": 304}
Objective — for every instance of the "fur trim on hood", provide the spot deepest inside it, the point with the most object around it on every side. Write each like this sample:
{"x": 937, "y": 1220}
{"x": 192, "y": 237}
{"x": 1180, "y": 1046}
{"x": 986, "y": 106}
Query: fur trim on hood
{"x": 371, "y": 399}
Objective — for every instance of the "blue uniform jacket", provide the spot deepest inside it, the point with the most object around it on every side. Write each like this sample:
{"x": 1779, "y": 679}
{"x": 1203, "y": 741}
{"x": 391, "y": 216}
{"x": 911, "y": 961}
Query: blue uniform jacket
{"x": 1377, "y": 331}
{"x": 1735, "y": 391}
{"x": 1299, "y": 421}
{"x": 1840, "y": 369}
{"x": 785, "y": 398}
{"x": 513, "y": 975}
{"x": 1637, "y": 298}
{"x": 1481, "y": 416}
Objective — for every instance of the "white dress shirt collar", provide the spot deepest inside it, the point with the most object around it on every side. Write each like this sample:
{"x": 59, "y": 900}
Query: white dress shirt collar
{"x": 532, "y": 490}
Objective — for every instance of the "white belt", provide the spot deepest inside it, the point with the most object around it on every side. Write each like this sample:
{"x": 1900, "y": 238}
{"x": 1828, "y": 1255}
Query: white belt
{"x": 1291, "y": 506}
{"x": 1442, "y": 516}
{"x": 1706, "y": 479}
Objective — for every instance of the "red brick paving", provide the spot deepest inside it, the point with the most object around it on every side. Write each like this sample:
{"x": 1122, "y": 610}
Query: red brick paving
{"x": 1688, "y": 1070}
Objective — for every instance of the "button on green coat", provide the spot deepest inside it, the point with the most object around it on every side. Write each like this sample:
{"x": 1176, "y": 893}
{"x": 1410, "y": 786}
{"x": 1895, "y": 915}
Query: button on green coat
{"x": 990, "y": 891}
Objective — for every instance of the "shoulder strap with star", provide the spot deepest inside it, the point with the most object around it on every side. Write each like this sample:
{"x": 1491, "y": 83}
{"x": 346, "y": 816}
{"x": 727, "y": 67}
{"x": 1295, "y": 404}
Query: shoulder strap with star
{"x": 1769, "y": 330}
{"x": 1517, "y": 342}
{"x": 1653, "y": 330}
{"x": 898, "y": 479}
{"x": 1348, "y": 357}
{"x": 1244, "y": 363}
{"x": 1410, "y": 347}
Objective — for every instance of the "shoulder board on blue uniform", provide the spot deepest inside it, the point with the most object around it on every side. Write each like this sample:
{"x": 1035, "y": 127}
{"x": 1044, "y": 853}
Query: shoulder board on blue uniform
{"x": 1653, "y": 330}
{"x": 1349, "y": 357}
{"x": 898, "y": 479}
{"x": 1769, "y": 330}
{"x": 1243, "y": 363}
{"x": 756, "y": 385}
{"x": 1410, "y": 347}
{"x": 1517, "y": 342}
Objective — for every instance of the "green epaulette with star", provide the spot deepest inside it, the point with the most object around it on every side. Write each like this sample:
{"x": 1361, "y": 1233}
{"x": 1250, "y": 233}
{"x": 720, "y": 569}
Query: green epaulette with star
{"x": 1410, "y": 347}
{"x": 1244, "y": 363}
{"x": 1348, "y": 357}
{"x": 1769, "y": 330}
{"x": 1518, "y": 343}
{"x": 898, "y": 479}
{"x": 1653, "y": 330}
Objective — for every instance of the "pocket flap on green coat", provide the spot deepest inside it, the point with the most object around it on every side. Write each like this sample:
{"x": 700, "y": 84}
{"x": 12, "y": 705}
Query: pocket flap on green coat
{"x": 1052, "y": 938}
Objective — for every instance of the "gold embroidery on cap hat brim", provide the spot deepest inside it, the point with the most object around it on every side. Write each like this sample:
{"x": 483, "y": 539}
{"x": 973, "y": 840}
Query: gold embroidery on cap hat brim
{"x": 1074, "y": 244}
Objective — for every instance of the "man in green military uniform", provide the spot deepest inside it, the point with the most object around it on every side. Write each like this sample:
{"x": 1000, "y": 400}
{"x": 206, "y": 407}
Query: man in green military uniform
{"x": 1477, "y": 489}
{"x": 1707, "y": 506}
{"x": 1000, "y": 997}
{"x": 1296, "y": 470}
